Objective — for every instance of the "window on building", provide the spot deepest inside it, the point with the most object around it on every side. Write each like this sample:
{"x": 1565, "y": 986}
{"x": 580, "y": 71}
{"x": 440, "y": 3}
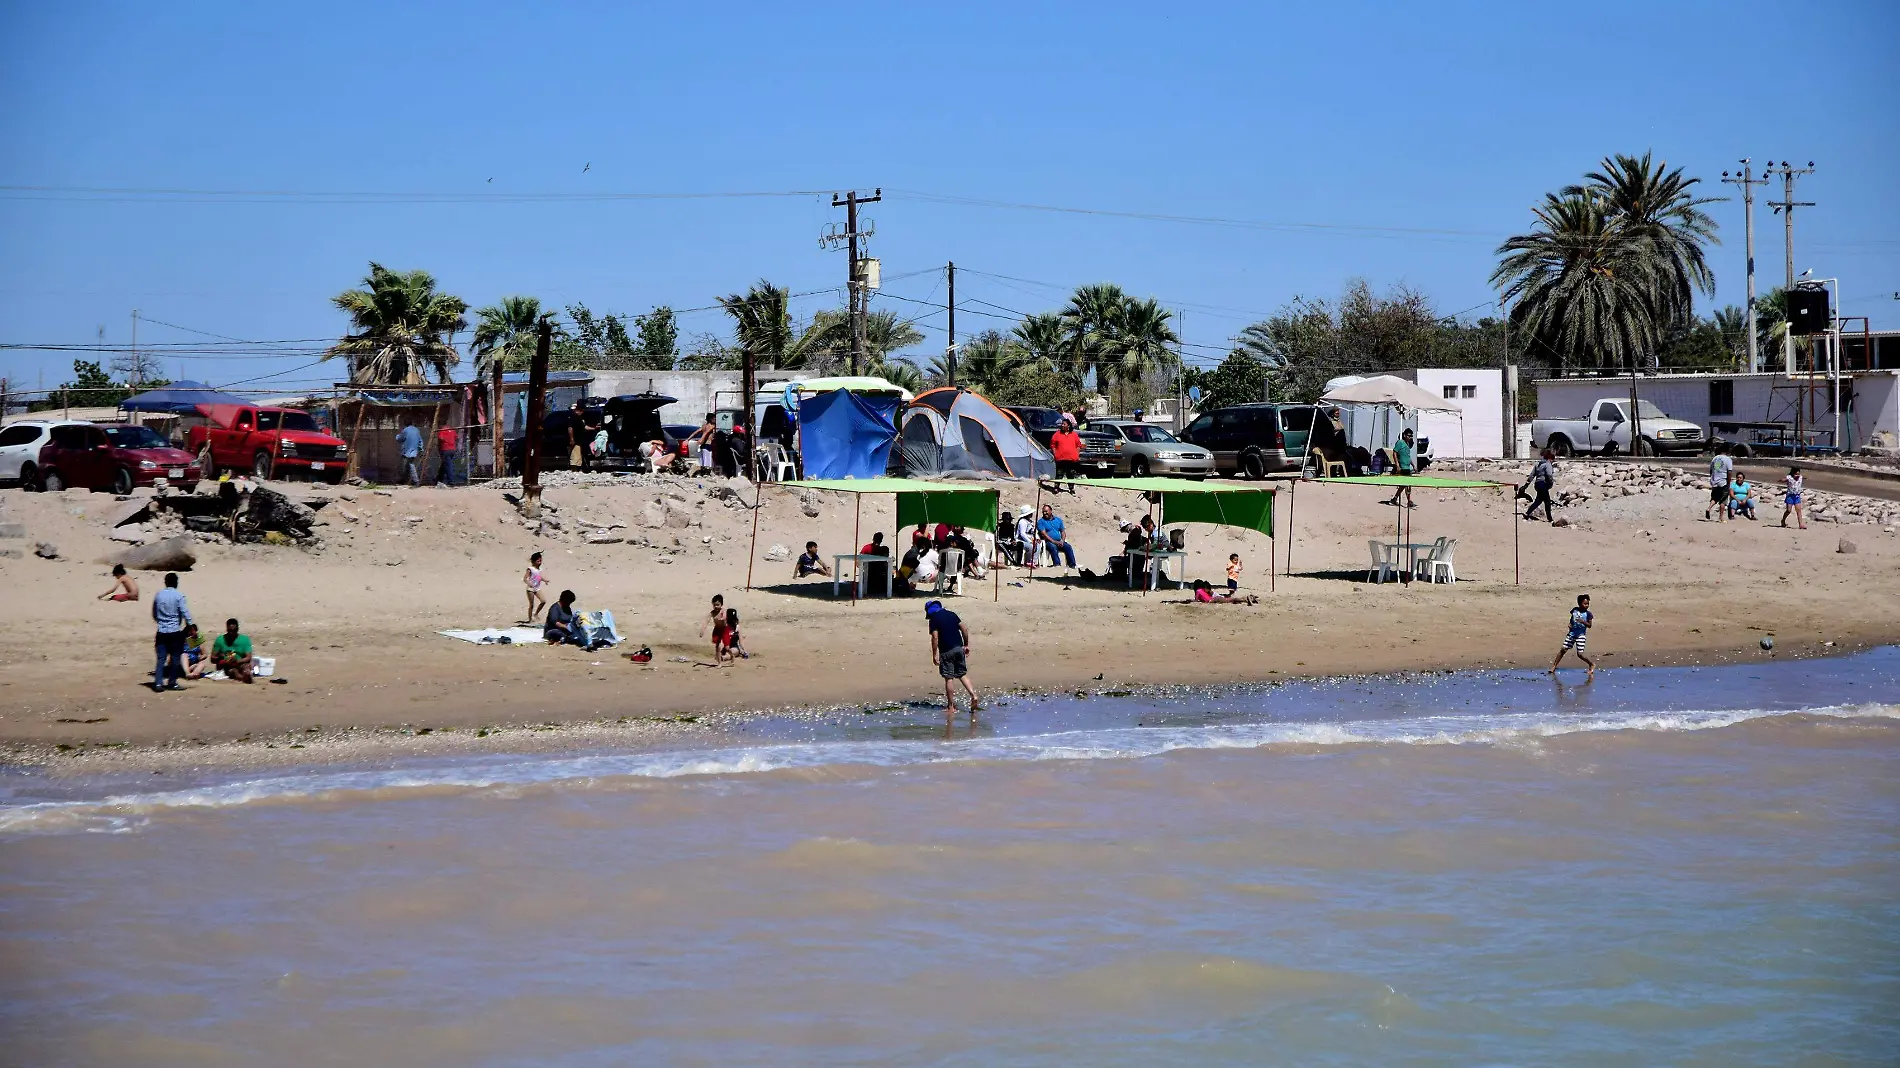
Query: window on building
{"x": 1722, "y": 397}
{"x": 1470, "y": 391}
{"x": 1450, "y": 392}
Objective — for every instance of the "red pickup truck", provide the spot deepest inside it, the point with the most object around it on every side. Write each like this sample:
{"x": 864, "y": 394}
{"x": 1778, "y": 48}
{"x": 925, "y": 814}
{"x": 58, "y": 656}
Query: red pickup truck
{"x": 267, "y": 442}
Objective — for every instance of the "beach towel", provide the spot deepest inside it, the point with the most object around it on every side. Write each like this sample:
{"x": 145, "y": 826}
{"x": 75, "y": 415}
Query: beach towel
{"x": 494, "y": 636}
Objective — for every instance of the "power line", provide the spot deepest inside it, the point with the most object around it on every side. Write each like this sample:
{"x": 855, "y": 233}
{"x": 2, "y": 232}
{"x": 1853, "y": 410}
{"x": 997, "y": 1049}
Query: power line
{"x": 174, "y": 195}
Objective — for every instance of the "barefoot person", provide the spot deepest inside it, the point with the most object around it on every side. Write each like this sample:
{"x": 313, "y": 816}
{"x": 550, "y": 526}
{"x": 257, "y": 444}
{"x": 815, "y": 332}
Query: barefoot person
{"x": 811, "y": 563}
{"x": 1580, "y": 622}
{"x": 535, "y": 581}
{"x": 231, "y": 653}
{"x": 950, "y": 651}
{"x": 124, "y": 588}
{"x": 1791, "y": 498}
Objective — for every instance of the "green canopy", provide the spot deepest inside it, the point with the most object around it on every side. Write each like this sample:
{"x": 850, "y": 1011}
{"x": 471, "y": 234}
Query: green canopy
{"x": 1413, "y": 481}
{"x": 1197, "y": 502}
{"x": 921, "y": 502}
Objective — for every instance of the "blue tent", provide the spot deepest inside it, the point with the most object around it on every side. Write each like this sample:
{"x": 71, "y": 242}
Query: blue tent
{"x": 846, "y": 435}
{"x": 179, "y": 398}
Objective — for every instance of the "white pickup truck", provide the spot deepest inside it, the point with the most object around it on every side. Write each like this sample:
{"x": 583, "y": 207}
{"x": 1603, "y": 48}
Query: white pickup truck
{"x": 1606, "y": 430}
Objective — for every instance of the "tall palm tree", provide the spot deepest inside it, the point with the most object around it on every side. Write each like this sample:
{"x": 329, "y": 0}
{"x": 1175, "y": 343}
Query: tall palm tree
{"x": 898, "y": 372}
{"x": 1041, "y": 336}
{"x": 505, "y": 333}
{"x": 762, "y": 322}
{"x": 1656, "y": 207}
{"x": 985, "y": 362}
{"x": 885, "y": 333}
{"x": 1137, "y": 346}
{"x": 1580, "y": 290}
{"x": 400, "y": 328}
{"x": 1257, "y": 343}
{"x": 1094, "y": 315}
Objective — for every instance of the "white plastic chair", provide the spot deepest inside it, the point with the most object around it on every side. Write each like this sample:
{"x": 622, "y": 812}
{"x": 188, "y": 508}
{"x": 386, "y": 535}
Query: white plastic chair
{"x": 774, "y": 467}
{"x": 1421, "y": 565}
{"x": 1381, "y": 563}
{"x": 950, "y": 578}
{"x": 1440, "y": 561}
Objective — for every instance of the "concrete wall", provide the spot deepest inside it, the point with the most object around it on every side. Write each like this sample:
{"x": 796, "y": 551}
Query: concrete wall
{"x": 699, "y": 392}
{"x": 1763, "y": 397}
{"x": 1481, "y": 431}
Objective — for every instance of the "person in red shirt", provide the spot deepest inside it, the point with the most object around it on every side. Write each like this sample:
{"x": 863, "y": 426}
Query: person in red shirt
{"x": 1066, "y": 445}
{"x": 446, "y": 442}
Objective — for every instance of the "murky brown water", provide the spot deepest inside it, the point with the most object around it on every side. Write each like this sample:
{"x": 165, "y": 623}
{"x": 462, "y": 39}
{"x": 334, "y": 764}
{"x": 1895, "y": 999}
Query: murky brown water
{"x": 1647, "y": 894}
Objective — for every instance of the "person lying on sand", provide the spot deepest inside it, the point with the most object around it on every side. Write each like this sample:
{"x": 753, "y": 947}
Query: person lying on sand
{"x": 1204, "y": 594}
{"x": 124, "y": 588}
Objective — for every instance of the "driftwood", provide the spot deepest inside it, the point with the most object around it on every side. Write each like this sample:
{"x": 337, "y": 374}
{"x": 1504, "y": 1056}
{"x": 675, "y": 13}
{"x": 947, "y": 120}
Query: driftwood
{"x": 172, "y": 554}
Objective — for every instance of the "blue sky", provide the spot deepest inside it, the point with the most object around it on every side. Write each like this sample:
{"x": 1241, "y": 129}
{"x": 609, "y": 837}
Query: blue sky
{"x": 1373, "y": 121}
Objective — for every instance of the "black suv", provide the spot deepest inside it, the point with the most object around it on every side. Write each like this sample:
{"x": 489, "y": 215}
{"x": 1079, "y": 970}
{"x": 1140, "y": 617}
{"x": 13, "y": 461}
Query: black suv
{"x": 1253, "y": 439}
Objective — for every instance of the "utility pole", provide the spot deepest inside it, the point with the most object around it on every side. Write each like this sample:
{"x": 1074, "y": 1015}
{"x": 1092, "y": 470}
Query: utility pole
{"x": 1747, "y": 181}
{"x": 1510, "y": 386}
{"x": 137, "y": 370}
{"x": 854, "y": 275}
{"x": 950, "y": 346}
{"x": 1786, "y": 205}
{"x": 537, "y": 399}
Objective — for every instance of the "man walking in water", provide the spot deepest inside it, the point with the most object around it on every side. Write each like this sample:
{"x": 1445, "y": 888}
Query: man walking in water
{"x": 950, "y": 650}
{"x": 1578, "y": 637}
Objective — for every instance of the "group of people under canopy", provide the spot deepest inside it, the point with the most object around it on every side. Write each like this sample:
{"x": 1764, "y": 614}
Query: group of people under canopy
{"x": 932, "y": 548}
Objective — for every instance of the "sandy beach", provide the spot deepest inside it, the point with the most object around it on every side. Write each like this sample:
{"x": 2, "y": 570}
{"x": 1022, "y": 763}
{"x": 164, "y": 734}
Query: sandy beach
{"x": 353, "y": 623}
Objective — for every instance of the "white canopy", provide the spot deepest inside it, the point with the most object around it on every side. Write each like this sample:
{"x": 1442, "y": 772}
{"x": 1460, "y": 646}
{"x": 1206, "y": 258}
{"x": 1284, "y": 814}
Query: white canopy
{"x": 1387, "y": 389}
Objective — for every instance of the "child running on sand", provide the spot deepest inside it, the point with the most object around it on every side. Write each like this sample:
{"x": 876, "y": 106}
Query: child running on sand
{"x": 715, "y": 621}
{"x": 535, "y": 580}
{"x": 1580, "y": 622}
{"x": 1791, "y": 498}
{"x": 1233, "y": 573}
{"x": 123, "y": 587}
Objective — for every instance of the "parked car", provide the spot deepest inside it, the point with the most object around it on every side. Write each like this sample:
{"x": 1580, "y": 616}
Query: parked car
{"x": 266, "y": 442}
{"x": 1040, "y": 423}
{"x": 1099, "y": 455}
{"x": 1606, "y": 430}
{"x": 1148, "y": 449}
{"x": 113, "y": 456}
{"x": 1253, "y": 439}
{"x": 20, "y": 445}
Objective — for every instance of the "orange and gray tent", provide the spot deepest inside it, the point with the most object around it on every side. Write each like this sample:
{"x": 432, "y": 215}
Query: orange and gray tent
{"x": 949, "y": 431}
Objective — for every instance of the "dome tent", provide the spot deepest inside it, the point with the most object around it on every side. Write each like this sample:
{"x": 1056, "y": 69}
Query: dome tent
{"x": 954, "y": 431}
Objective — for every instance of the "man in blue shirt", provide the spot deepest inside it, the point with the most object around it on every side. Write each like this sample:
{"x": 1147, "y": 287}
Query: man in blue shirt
{"x": 409, "y": 441}
{"x": 1052, "y": 533}
{"x": 949, "y": 650}
{"x": 171, "y": 613}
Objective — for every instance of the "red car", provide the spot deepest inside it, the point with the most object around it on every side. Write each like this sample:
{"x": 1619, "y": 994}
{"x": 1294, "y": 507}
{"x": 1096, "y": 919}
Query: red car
{"x": 113, "y": 456}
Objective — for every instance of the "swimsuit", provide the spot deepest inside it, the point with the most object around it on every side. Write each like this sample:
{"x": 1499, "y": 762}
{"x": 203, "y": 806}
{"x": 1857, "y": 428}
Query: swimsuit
{"x": 534, "y": 578}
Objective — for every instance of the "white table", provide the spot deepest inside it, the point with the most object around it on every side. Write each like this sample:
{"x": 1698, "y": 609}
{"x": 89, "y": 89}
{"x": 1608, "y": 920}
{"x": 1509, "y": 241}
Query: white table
{"x": 1156, "y": 561}
{"x": 858, "y": 560}
{"x": 1394, "y": 549}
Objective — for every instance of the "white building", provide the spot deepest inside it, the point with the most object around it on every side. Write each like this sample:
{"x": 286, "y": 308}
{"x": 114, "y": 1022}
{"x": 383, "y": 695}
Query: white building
{"x": 1869, "y": 401}
{"x": 1479, "y": 394}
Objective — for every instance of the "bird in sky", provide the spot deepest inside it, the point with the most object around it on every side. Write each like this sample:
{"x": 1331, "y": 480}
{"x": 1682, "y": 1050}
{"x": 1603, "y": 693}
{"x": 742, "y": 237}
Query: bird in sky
{"x": 491, "y": 181}
{"x": 587, "y": 168}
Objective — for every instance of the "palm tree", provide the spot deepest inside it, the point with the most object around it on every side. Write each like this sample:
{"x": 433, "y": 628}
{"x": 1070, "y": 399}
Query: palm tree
{"x": 1094, "y": 315}
{"x": 505, "y": 333}
{"x": 898, "y": 372}
{"x": 401, "y": 327}
{"x": 985, "y": 362}
{"x": 762, "y": 322}
{"x": 1258, "y": 344}
{"x": 1655, "y": 207}
{"x": 1041, "y": 337}
{"x": 885, "y": 333}
{"x": 1137, "y": 346}
{"x": 1580, "y": 290}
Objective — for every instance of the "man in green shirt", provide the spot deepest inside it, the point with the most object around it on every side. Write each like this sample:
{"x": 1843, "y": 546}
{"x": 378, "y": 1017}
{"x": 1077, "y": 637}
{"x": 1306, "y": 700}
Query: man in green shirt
{"x": 231, "y": 653}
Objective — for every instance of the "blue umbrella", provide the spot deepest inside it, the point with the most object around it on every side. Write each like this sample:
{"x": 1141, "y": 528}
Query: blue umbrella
{"x": 179, "y": 398}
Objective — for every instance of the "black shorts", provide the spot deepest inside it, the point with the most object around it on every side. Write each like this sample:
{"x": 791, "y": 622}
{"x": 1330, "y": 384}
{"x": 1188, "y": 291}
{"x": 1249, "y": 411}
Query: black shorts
{"x": 1718, "y": 494}
{"x": 952, "y": 664}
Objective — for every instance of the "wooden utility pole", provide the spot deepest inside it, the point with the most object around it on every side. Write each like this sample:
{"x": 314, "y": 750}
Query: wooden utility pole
{"x": 1785, "y": 207}
{"x": 1747, "y": 181}
{"x": 950, "y": 346}
{"x": 854, "y": 274}
{"x": 537, "y": 400}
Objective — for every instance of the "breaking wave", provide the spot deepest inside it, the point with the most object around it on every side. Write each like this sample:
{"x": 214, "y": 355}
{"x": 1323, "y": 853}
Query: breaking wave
{"x": 125, "y": 812}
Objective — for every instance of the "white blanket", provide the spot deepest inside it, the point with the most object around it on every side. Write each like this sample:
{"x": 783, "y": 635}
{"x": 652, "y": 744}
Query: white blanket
{"x": 494, "y": 636}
